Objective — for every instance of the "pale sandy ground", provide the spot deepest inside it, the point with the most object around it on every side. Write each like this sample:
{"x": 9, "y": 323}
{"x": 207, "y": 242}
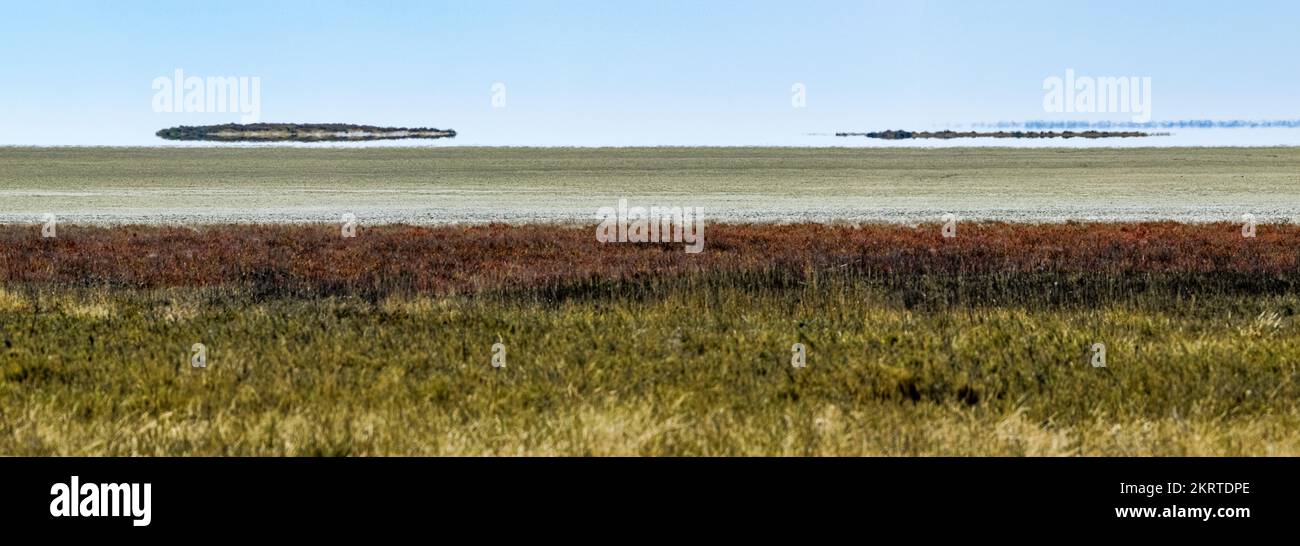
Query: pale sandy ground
{"x": 474, "y": 185}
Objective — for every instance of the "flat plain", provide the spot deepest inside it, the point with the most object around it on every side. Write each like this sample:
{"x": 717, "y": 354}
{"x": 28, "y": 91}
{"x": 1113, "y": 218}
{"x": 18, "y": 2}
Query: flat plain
{"x": 478, "y": 185}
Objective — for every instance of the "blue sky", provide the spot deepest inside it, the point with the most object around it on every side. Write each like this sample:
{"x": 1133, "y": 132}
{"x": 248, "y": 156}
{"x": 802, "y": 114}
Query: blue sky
{"x": 632, "y": 72}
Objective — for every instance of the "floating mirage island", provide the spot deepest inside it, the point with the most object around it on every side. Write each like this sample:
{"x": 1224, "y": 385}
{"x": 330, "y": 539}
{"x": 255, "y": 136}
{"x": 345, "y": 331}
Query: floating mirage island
{"x": 298, "y": 132}
{"x": 903, "y": 135}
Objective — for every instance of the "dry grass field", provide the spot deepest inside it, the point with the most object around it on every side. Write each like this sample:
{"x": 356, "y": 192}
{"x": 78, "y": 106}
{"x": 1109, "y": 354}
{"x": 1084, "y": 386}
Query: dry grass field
{"x": 915, "y": 344}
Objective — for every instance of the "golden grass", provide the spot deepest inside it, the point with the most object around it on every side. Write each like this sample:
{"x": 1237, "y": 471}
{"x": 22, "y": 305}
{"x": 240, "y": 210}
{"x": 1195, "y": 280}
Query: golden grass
{"x": 688, "y": 373}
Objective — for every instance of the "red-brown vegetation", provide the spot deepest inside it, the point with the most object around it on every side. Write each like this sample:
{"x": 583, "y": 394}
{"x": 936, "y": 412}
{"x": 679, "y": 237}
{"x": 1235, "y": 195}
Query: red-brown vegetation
{"x": 316, "y": 260}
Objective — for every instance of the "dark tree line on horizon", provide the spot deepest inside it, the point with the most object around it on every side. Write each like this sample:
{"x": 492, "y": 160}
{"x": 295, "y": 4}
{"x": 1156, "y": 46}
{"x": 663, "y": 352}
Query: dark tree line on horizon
{"x": 303, "y": 132}
{"x": 904, "y": 135}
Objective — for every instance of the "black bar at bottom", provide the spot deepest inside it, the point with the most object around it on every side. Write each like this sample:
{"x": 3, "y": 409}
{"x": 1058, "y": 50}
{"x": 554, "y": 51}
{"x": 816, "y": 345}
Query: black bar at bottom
{"x": 536, "y": 497}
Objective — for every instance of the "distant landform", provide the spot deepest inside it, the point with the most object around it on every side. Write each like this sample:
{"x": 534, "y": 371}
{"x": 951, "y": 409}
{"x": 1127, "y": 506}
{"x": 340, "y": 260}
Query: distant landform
{"x": 299, "y": 132}
{"x": 1166, "y": 124}
{"x": 904, "y": 135}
